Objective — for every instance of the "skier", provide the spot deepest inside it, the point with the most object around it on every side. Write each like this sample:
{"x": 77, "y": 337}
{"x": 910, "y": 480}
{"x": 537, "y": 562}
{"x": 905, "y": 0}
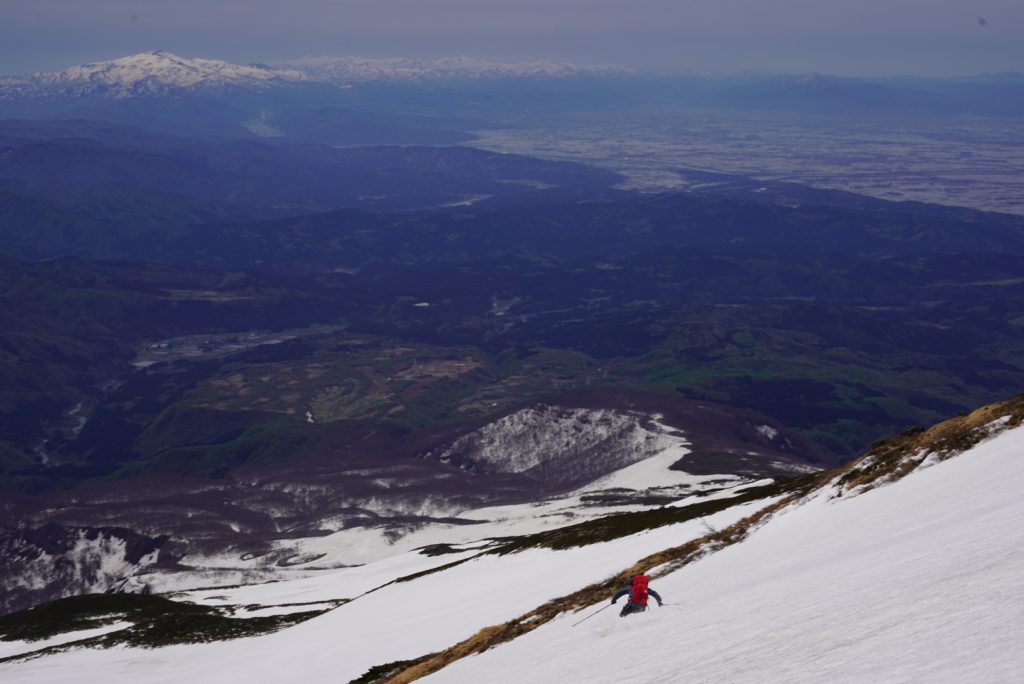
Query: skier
{"x": 638, "y": 592}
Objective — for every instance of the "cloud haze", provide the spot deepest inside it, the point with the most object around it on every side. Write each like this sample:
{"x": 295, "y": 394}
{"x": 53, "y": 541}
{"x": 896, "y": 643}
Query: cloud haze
{"x": 931, "y": 37}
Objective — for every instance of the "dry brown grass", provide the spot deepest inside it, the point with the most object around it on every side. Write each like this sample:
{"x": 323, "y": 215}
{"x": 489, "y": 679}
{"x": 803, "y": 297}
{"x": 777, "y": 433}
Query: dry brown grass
{"x": 895, "y": 458}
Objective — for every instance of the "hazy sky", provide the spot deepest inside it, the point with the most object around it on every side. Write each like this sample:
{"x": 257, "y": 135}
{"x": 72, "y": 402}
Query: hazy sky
{"x": 856, "y": 37}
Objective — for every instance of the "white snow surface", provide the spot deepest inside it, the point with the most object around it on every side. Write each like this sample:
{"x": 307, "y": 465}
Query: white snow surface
{"x": 347, "y": 583}
{"x": 559, "y": 438}
{"x": 10, "y": 649}
{"x": 918, "y": 581}
{"x": 368, "y": 546}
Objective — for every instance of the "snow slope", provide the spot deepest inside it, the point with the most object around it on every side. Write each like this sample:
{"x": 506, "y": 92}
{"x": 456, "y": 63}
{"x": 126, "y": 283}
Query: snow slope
{"x": 916, "y": 581}
{"x": 399, "y": 621}
{"x": 560, "y": 443}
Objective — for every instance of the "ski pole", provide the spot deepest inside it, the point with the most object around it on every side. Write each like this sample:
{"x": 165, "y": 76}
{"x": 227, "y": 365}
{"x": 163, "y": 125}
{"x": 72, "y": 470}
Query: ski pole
{"x": 592, "y": 614}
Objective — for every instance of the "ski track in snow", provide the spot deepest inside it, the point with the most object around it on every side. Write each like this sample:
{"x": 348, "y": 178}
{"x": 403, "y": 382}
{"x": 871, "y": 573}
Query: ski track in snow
{"x": 341, "y": 584}
{"x": 918, "y": 581}
{"x": 9, "y": 649}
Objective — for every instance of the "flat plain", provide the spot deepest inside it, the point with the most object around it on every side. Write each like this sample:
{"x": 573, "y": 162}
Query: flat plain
{"x": 962, "y": 161}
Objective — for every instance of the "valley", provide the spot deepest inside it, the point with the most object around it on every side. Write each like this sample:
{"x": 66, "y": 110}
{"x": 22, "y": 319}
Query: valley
{"x": 205, "y": 347}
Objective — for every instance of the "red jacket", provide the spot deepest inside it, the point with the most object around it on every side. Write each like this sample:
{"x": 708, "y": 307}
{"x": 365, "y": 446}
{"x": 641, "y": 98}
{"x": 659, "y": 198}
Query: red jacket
{"x": 638, "y": 591}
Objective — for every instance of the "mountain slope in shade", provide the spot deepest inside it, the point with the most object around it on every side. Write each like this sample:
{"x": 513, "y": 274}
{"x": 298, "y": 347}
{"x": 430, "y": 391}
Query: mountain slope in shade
{"x": 82, "y": 560}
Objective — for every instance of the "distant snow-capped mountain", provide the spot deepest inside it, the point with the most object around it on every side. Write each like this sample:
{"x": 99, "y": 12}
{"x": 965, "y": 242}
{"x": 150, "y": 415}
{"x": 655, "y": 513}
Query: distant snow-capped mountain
{"x": 160, "y": 72}
{"x": 152, "y": 73}
{"x": 343, "y": 70}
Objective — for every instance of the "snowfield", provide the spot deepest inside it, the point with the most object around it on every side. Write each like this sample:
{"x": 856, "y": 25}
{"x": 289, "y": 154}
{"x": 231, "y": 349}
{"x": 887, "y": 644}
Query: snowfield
{"x": 918, "y": 581}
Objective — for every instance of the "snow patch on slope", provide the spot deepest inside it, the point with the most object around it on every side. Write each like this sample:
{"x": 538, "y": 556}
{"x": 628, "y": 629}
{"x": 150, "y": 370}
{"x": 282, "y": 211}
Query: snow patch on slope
{"x": 9, "y": 649}
{"x": 560, "y": 445}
